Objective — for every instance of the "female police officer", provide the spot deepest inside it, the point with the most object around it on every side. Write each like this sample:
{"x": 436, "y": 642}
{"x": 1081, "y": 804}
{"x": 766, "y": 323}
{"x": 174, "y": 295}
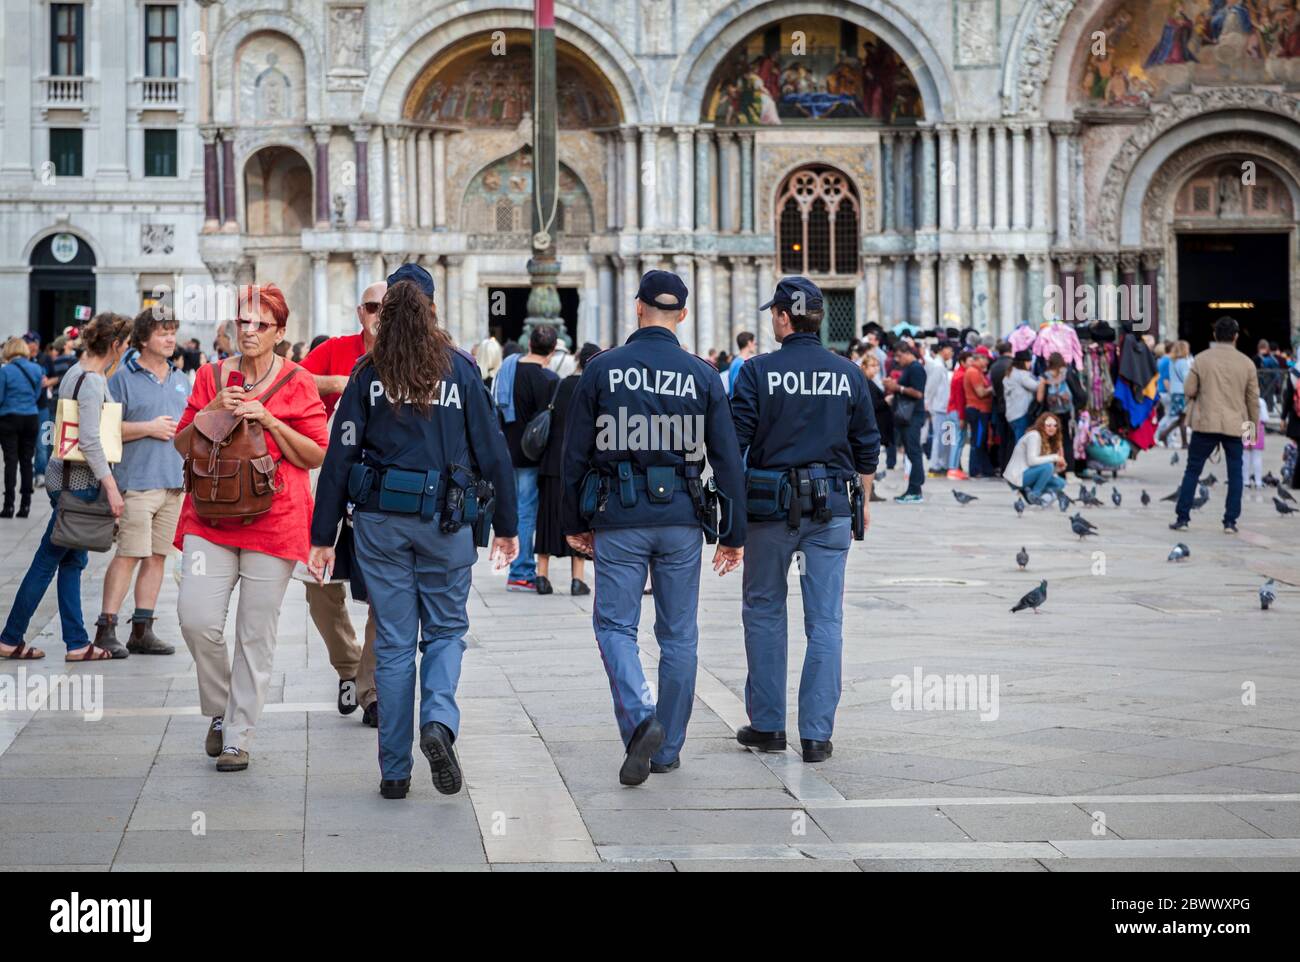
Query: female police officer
{"x": 414, "y": 436}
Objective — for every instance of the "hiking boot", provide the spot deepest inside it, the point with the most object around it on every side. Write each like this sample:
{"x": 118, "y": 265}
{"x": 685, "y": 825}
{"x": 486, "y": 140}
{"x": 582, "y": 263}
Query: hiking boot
{"x": 144, "y": 642}
{"x": 106, "y": 636}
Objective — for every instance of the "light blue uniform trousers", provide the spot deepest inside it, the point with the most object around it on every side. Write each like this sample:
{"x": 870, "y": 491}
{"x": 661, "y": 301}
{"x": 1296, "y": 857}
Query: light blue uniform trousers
{"x": 418, "y": 580}
{"x": 770, "y": 547}
{"x": 672, "y": 555}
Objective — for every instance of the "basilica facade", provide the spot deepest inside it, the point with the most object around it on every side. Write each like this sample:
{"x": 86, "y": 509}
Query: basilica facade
{"x": 953, "y": 163}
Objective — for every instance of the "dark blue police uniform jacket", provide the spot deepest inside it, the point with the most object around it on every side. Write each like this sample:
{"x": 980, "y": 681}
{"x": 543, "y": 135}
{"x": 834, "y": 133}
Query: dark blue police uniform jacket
{"x": 804, "y": 404}
{"x": 653, "y": 403}
{"x": 461, "y": 429}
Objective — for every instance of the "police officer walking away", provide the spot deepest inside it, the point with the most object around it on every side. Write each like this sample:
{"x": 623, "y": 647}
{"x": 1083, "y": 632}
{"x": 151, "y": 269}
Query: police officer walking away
{"x": 634, "y": 498}
{"x": 805, "y": 419}
{"x": 414, "y": 439}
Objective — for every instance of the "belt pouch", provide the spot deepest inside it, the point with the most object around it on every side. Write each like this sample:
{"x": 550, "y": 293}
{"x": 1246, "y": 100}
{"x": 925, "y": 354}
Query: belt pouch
{"x": 660, "y": 483}
{"x": 361, "y": 482}
{"x": 588, "y": 495}
{"x": 401, "y": 491}
{"x": 767, "y": 493}
{"x": 430, "y": 503}
{"x": 626, "y": 489}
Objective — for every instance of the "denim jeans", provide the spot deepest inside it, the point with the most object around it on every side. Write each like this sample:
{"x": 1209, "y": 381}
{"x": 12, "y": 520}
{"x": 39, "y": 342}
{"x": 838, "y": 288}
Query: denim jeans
{"x": 51, "y": 560}
{"x": 1040, "y": 479}
{"x": 1199, "y": 450}
{"x": 910, "y": 435}
{"x": 524, "y": 567}
{"x": 1018, "y": 428}
{"x": 943, "y": 431}
{"x": 959, "y": 441}
{"x": 43, "y": 446}
{"x": 977, "y": 423}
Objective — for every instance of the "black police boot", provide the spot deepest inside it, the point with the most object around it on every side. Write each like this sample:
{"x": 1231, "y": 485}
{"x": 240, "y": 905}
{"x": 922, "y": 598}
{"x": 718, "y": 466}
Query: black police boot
{"x": 394, "y": 787}
{"x": 647, "y": 738}
{"x": 764, "y": 741}
{"x": 815, "y": 751}
{"x": 435, "y": 742}
{"x": 657, "y": 768}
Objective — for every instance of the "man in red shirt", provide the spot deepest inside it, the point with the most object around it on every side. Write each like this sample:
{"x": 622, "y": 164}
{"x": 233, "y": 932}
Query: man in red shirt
{"x": 979, "y": 414}
{"x": 331, "y": 363}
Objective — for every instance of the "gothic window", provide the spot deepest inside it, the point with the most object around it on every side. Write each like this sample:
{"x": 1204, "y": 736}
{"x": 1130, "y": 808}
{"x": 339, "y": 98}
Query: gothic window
{"x": 817, "y": 223}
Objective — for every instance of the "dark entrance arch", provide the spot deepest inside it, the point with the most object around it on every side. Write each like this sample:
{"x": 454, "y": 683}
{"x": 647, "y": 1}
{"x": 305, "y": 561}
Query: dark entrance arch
{"x": 62, "y": 279}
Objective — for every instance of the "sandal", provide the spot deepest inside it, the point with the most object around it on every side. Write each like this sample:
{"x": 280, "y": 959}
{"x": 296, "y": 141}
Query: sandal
{"x": 23, "y": 653}
{"x": 92, "y": 653}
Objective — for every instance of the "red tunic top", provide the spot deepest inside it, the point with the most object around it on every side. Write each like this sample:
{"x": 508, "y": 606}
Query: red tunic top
{"x": 284, "y": 531}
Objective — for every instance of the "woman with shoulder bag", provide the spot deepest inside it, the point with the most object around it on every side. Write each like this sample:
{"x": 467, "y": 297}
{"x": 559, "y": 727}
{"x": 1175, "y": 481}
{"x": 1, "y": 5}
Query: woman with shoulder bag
{"x": 20, "y": 395}
{"x": 281, "y": 410}
{"x": 103, "y": 341}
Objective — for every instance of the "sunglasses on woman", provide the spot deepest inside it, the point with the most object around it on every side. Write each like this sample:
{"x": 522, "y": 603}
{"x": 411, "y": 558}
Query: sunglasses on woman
{"x": 250, "y": 326}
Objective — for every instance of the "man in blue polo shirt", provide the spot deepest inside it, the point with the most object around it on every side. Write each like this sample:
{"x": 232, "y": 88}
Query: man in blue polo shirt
{"x": 153, "y": 394}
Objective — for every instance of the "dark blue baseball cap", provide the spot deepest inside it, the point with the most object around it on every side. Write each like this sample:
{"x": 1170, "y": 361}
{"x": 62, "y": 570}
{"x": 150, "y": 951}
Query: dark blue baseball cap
{"x": 656, "y": 284}
{"x": 796, "y": 291}
{"x": 417, "y": 275}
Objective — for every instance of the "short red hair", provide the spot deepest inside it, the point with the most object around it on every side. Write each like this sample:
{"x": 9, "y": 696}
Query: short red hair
{"x": 266, "y": 297}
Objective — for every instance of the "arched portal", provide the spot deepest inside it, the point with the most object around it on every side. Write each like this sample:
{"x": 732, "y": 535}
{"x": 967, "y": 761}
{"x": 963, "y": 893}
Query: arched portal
{"x": 62, "y": 284}
{"x": 277, "y": 193}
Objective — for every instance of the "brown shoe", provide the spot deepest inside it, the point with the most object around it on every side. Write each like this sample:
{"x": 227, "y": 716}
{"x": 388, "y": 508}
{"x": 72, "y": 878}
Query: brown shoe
{"x": 144, "y": 642}
{"x": 106, "y": 637}
{"x": 232, "y": 760}
{"x": 212, "y": 744}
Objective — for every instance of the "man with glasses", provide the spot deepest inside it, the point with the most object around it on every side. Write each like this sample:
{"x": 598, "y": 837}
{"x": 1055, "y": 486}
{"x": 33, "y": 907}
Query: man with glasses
{"x": 331, "y": 364}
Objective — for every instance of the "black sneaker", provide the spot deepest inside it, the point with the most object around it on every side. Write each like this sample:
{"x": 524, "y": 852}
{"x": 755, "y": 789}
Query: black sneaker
{"x": 347, "y": 696}
{"x": 436, "y": 743}
{"x": 394, "y": 787}
{"x": 751, "y": 737}
{"x": 1179, "y": 525}
{"x": 647, "y": 738}
{"x": 1230, "y": 528}
{"x": 370, "y": 715}
{"x": 543, "y": 585}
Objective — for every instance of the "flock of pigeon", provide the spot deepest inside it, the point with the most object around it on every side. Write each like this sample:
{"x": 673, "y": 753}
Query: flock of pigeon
{"x": 1084, "y": 528}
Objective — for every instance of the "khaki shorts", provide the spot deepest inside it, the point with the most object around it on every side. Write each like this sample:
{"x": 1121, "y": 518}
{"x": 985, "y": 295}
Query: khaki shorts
{"x": 148, "y": 523}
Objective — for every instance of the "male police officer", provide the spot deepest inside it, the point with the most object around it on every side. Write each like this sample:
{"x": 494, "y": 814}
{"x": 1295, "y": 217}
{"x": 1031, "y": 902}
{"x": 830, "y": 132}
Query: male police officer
{"x": 638, "y": 425}
{"x": 805, "y": 418}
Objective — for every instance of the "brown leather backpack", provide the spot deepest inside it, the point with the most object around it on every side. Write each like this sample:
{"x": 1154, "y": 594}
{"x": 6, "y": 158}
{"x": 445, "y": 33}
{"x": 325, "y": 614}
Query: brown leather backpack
{"x": 229, "y": 475}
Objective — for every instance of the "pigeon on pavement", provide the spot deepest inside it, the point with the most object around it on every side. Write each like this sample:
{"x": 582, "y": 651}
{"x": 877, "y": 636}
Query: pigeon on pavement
{"x": 1033, "y": 599}
{"x": 1174, "y": 459}
{"x": 1083, "y": 521}
{"x": 1022, "y": 558}
{"x": 1285, "y": 495}
{"x": 1180, "y": 552}
{"x": 1081, "y": 528}
{"x": 1146, "y": 498}
{"x": 1170, "y": 497}
{"x": 963, "y": 498}
{"x": 1283, "y": 507}
{"x": 1267, "y": 593}
{"x": 1115, "y": 497}
{"x": 1019, "y": 506}
{"x": 1209, "y": 480}
{"x": 1271, "y": 481}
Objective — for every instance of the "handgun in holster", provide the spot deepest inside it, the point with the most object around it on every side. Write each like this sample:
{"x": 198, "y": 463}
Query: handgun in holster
{"x": 858, "y": 504}
{"x": 485, "y": 501}
{"x": 704, "y": 495}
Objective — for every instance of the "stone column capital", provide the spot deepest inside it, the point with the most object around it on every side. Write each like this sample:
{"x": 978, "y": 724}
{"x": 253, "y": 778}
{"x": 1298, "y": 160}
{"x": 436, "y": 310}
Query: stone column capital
{"x": 684, "y": 134}
{"x": 396, "y": 131}
{"x": 321, "y": 133}
{"x": 980, "y": 259}
{"x": 362, "y": 257}
{"x": 1107, "y": 261}
{"x": 319, "y": 258}
{"x": 1152, "y": 260}
{"x": 209, "y": 133}
{"x": 927, "y": 260}
{"x": 627, "y": 134}
{"x": 1129, "y": 261}
{"x": 1063, "y": 128}
{"x": 360, "y": 132}
{"x": 1017, "y": 128}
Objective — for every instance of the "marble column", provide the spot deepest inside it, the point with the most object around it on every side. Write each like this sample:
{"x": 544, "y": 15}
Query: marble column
{"x": 361, "y": 157}
{"x": 951, "y": 314}
{"x": 703, "y": 169}
{"x": 685, "y": 179}
{"x": 765, "y": 284}
{"x": 1008, "y": 295}
{"x": 319, "y": 293}
{"x": 1107, "y": 294}
{"x": 605, "y": 294}
{"x": 739, "y": 320}
{"x": 929, "y": 303}
{"x": 1078, "y": 222}
{"x": 726, "y": 197}
{"x": 628, "y": 280}
{"x": 706, "y": 321}
{"x": 965, "y": 179}
{"x": 395, "y": 135}
{"x": 984, "y": 174}
{"x": 746, "y": 182}
{"x": 424, "y": 178}
{"x": 321, "y": 134}
{"x": 903, "y": 195}
{"x": 979, "y": 292}
{"x": 1019, "y": 185}
{"x": 887, "y": 181}
{"x": 411, "y": 168}
{"x": 362, "y": 262}
{"x": 440, "y": 180}
{"x": 378, "y": 154}
{"x": 929, "y": 181}
{"x": 1001, "y": 180}
{"x": 648, "y": 176}
{"x": 947, "y": 180}
{"x": 211, "y": 181}
{"x": 229, "y": 217}
{"x": 688, "y": 334}
{"x": 1041, "y": 177}
{"x": 439, "y": 272}
{"x": 611, "y": 181}
{"x": 871, "y": 273}
{"x": 1035, "y": 288}
{"x": 455, "y": 298}
{"x": 1151, "y": 280}
{"x": 631, "y": 179}
{"x": 902, "y": 293}
{"x": 1063, "y": 181}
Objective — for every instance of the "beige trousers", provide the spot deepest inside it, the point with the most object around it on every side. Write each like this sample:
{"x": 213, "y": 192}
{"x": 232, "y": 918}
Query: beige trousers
{"x": 209, "y": 575}
{"x": 328, "y": 606}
